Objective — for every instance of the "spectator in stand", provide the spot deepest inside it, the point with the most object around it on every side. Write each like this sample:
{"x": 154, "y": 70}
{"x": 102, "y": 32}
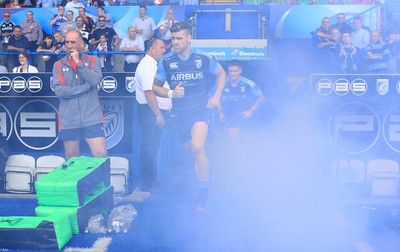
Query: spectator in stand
{"x": 29, "y": 3}
{"x": 323, "y": 33}
{"x": 74, "y": 4}
{"x": 330, "y": 50}
{"x": 24, "y": 67}
{"x": 322, "y": 36}
{"x": 377, "y": 55}
{"x": 96, "y": 3}
{"x": 105, "y": 60}
{"x": 59, "y": 43}
{"x": 144, "y": 24}
{"x": 46, "y": 3}
{"x": 106, "y": 2}
{"x": 33, "y": 31}
{"x": 109, "y": 21}
{"x": 394, "y": 47}
{"x": 165, "y": 27}
{"x": 360, "y": 36}
{"x": 341, "y": 24}
{"x": 7, "y": 28}
{"x": 69, "y": 25}
{"x": 13, "y": 5}
{"x": 366, "y": 2}
{"x": 109, "y": 32}
{"x": 112, "y": 40}
{"x": 17, "y": 43}
{"x": 58, "y": 18}
{"x": 64, "y": 2}
{"x": 121, "y": 3}
{"x": 240, "y": 98}
{"x": 350, "y": 56}
{"x": 48, "y": 46}
{"x": 3, "y": 69}
{"x": 80, "y": 26}
{"x": 132, "y": 43}
{"x": 88, "y": 21}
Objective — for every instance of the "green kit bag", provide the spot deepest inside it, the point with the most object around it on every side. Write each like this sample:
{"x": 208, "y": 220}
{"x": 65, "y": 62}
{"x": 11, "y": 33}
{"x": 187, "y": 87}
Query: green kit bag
{"x": 38, "y": 233}
{"x": 100, "y": 200}
{"x": 70, "y": 183}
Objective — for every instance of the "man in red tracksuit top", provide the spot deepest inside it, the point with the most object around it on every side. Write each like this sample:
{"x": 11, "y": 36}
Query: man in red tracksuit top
{"x": 75, "y": 80}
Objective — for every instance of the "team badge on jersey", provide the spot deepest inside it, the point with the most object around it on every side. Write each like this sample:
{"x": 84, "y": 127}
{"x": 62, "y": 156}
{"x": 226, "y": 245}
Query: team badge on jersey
{"x": 198, "y": 63}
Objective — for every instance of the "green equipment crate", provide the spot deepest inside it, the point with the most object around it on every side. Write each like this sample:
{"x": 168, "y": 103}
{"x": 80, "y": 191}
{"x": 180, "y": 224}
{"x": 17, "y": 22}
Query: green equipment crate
{"x": 35, "y": 233}
{"x": 71, "y": 182}
{"x": 98, "y": 201}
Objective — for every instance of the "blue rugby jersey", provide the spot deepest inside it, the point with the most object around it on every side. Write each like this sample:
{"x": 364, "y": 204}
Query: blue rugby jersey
{"x": 192, "y": 72}
{"x": 236, "y": 100}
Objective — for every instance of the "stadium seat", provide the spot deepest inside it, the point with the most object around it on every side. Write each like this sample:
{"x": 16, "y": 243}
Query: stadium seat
{"x": 349, "y": 171}
{"x": 383, "y": 176}
{"x": 19, "y": 173}
{"x": 119, "y": 174}
{"x": 46, "y": 164}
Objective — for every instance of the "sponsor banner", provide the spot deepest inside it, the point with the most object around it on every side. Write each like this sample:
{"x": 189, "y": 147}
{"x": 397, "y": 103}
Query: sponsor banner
{"x": 29, "y": 112}
{"x": 227, "y": 54}
{"x": 361, "y": 113}
{"x": 38, "y": 85}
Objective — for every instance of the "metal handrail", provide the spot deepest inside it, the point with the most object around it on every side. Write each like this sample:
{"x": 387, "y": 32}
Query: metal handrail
{"x": 96, "y": 52}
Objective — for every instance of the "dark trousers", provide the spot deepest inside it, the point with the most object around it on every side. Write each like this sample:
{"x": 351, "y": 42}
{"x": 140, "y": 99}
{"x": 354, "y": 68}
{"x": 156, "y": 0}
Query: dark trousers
{"x": 130, "y": 67}
{"x": 7, "y": 60}
{"x": 34, "y": 58}
{"x": 151, "y": 138}
{"x": 107, "y": 63}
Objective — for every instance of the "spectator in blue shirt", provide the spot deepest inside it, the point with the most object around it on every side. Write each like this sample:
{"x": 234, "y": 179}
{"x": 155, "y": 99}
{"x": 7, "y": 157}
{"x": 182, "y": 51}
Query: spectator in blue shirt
{"x": 46, "y": 3}
{"x": 59, "y": 18}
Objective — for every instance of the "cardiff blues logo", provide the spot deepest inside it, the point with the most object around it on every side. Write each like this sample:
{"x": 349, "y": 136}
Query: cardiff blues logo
{"x": 113, "y": 122}
{"x": 198, "y": 63}
{"x": 382, "y": 86}
{"x": 130, "y": 84}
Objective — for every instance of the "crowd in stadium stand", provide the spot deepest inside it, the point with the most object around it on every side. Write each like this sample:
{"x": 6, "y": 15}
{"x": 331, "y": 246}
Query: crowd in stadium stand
{"x": 97, "y": 32}
{"x": 89, "y": 3}
{"x": 340, "y": 48}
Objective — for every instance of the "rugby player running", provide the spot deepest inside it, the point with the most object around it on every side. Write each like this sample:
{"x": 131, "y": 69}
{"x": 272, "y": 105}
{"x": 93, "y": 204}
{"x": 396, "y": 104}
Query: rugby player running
{"x": 186, "y": 69}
